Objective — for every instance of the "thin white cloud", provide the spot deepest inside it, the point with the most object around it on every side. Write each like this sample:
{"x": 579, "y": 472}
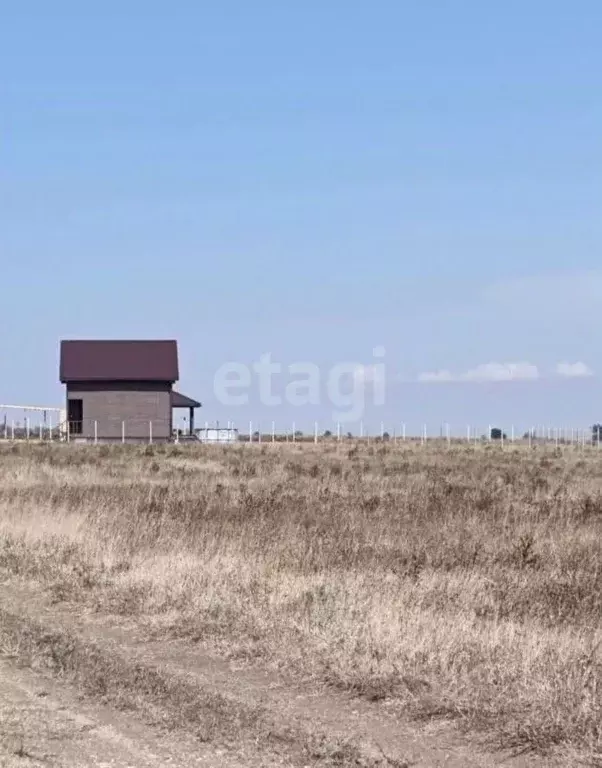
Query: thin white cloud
{"x": 502, "y": 372}
{"x": 573, "y": 370}
{"x": 487, "y": 372}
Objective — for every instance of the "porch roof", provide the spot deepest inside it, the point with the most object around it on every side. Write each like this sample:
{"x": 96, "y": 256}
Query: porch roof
{"x": 181, "y": 401}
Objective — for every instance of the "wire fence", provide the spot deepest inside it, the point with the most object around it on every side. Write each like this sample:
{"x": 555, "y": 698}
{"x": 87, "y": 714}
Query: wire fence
{"x": 401, "y": 433}
{"x": 112, "y": 429}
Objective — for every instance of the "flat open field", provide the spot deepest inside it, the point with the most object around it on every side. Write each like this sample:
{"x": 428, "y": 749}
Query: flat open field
{"x": 308, "y": 605}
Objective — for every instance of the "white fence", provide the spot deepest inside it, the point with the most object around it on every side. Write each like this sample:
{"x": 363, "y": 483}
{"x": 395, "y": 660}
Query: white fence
{"x": 159, "y": 431}
{"x": 400, "y": 433}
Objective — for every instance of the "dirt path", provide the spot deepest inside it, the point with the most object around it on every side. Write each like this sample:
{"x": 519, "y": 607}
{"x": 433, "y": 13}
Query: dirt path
{"x": 246, "y": 716}
{"x": 43, "y": 723}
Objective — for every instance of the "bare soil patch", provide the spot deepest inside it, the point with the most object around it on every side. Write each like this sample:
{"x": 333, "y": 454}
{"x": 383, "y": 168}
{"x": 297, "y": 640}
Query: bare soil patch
{"x": 43, "y": 723}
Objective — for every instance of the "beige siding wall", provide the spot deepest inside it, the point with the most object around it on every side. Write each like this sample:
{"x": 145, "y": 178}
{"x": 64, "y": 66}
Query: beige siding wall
{"x": 137, "y": 409}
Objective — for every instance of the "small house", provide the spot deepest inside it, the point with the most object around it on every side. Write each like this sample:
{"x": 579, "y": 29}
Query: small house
{"x": 122, "y": 391}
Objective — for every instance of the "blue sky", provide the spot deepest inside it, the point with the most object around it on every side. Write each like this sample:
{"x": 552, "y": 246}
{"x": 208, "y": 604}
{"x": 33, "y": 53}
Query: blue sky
{"x": 311, "y": 180}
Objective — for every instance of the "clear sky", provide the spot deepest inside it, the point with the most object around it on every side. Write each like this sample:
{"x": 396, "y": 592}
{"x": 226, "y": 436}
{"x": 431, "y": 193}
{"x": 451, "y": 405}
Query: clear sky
{"x": 311, "y": 180}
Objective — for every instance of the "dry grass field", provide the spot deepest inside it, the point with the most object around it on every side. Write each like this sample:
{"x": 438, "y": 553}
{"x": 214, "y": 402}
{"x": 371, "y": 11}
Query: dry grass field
{"x": 459, "y": 584}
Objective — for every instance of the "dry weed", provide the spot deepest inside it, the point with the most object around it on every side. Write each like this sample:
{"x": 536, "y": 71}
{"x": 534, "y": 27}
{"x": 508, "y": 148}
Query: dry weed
{"x": 460, "y": 583}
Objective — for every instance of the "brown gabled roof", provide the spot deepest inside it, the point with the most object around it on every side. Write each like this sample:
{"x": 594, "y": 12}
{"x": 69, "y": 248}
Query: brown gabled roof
{"x": 181, "y": 401}
{"x": 103, "y": 360}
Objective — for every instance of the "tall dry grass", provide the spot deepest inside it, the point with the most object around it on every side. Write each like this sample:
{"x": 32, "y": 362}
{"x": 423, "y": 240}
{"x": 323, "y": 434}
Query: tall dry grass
{"x": 459, "y": 583}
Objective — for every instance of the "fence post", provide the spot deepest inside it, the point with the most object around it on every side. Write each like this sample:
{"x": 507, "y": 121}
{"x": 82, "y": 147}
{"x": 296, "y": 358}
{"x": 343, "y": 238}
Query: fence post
{"x": 315, "y": 432}
{"x": 41, "y": 433}
{"x": 50, "y": 427}
{"x": 294, "y": 433}
{"x": 123, "y": 431}
{"x": 68, "y": 431}
{"x": 150, "y": 432}
{"x": 338, "y": 431}
{"x": 403, "y": 432}
{"x": 95, "y": 432}
{"x": 27, "y": 427}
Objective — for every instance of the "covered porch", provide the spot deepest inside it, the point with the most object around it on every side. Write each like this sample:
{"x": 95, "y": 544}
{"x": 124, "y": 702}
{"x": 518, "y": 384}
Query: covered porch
{"x": 181, "y": 401}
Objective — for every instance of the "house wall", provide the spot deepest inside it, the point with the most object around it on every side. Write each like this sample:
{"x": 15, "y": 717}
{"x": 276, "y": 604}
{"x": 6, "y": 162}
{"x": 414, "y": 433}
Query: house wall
{"x": 135, "y": 404}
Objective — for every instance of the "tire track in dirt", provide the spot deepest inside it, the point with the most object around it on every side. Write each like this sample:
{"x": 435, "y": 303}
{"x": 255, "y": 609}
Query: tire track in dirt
{"x": 249, "y": 712}
{"x": 45, "y": 723}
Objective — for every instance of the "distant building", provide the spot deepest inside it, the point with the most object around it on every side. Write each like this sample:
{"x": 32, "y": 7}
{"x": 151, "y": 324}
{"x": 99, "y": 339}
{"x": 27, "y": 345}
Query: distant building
{"x": 122, "y": 390}
{"x": 217, "y": 435}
